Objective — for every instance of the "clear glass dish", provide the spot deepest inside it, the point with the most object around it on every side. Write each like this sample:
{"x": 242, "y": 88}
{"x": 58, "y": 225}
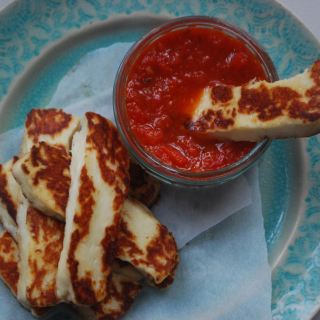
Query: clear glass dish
{"x": 138, "y": 153}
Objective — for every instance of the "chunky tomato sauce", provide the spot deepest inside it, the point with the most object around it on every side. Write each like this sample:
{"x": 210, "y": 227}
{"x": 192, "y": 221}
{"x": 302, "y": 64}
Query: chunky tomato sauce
{"x": 165, "y": 84}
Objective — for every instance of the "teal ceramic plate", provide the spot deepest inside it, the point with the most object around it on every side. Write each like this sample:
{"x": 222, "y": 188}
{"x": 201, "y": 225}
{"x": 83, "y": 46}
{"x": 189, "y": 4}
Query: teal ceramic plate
{"x": 41, "y": 40}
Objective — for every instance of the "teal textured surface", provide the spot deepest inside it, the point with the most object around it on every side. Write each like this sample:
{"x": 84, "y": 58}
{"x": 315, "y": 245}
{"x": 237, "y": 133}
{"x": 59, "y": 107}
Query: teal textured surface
{"x": 32, "y": 29}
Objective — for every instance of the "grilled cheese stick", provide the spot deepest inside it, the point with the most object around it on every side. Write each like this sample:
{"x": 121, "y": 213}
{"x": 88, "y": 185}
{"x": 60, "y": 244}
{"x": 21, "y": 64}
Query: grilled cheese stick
{"x": 99, "y": 186}
{"x": 145, "y": 243}
{"x": 122, "y": 294}
{"x": 284, "y": 109}
{"x": 40, "y": 240}
{"x": 44, "y": 176}
{"x": 9, "y": 198}
{"x": 9, "y": 258}
{"x": 9, "y": 273}
{"x": 49, "y": 125}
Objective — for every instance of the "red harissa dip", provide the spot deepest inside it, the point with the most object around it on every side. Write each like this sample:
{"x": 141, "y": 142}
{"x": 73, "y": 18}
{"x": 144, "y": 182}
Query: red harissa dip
{"x": 164, "y": 85}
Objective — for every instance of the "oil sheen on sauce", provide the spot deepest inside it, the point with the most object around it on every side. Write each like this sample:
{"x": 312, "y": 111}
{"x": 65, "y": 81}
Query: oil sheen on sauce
{"x": 165, "y": 84}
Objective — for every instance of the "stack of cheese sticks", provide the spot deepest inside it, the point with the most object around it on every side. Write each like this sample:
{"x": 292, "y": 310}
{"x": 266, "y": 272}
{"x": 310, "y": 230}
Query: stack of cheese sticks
{"x": 74, "y": 232}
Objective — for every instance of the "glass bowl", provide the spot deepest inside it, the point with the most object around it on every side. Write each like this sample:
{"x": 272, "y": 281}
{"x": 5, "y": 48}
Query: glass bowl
{"x": 138, "y": 153}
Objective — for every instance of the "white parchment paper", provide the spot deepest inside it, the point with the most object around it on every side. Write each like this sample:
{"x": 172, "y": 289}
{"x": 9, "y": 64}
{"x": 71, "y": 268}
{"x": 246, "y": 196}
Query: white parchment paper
{"x": 224, "y": 272}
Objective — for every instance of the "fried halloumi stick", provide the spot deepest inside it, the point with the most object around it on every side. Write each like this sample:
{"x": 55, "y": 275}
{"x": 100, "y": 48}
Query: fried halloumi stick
{"x": 40, "y": 240}
{"x": 99, "y": 186}
{"x": 9, "y": 259}
{"x": 50, "y": 125}
{"x": 146, "y": 244}
{"x": 287, "y": 108}
{"x": 122, "y": 295}
{"x": 44, "y": 176}
{"x": 9, "y": 198}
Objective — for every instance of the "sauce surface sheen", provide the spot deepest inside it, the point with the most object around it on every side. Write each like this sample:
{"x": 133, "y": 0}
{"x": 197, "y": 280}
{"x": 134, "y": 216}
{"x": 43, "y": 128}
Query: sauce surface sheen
{"x": 165, "y": 84}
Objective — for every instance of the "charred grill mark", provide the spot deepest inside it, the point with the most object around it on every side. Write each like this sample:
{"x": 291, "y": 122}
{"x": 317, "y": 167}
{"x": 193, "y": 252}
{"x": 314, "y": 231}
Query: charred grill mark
{"x": 46, "y": 121}
{"x": 8, "y": 266}
{"x": 161, "y": 250}
{"x": 211, "y": 119}
{"x": 54, "y": 163}
{"x": 109, "y": 243}
{"x": 47, "y": 238}
{"x": 5, "y": 197}
{"x": 40, "y": 312}
{"x": 125, "y": 297}
{"x": 83, "y": 287}
{"x": 36, "y": 295}
{"x": 169, "y": 279}
{"x": 221, "y": 94}
{"x": 268, "y": 104}
{"x": 25, "y": 169}
{"x": 125, "y": 242}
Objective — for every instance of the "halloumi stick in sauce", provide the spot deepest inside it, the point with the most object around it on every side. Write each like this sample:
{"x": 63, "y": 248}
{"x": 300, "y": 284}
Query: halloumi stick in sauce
{"x": 9, "y": 198}
{"x": 44, "y": 176}
{"x": 146, "y": 244}
{"x": 122, "y": 295}
{"x": 287, "y": 108}
{"x": 9, "y": 273}
{"x": 99, "y": 186}
{"x": 50, "y": 125}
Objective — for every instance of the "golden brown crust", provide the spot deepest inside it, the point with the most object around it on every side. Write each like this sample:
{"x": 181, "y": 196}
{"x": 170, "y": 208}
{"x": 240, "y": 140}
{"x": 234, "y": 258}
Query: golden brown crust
{"x": 269, "y": 104}
{"x": 46, "y": 121}
{"x": 53, "y": 163}
{"x": 124, "y": 296}
{"x": 168, "y": 280}
{"x": 109, "y": 242}
{"x": 47, "y": 241}
{"x": 125, "y": 242}
{"x": 104, "y": 135}
{"x": 160, "y": 249}
{"x": 162, "y": 253}
{"x": 9, "y": 271}
{"x": 5, "y": 196}
{"x": 221, "y": 94}
{"x": 40, "y": 312}
{"x": 9, "y": 261}
{"x": 83, "y": 287}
